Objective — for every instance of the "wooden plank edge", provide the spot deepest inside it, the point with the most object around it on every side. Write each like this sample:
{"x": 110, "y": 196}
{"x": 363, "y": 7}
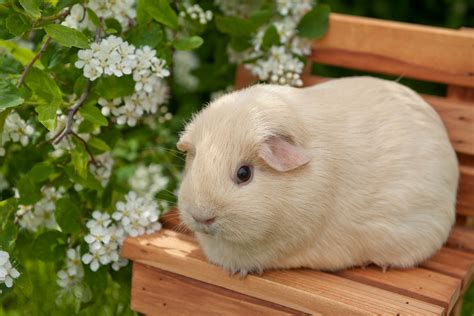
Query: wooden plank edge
{"x": 177, "y": 260}
{"x": 236, "y": 296}
{"x": 380, "y": 283}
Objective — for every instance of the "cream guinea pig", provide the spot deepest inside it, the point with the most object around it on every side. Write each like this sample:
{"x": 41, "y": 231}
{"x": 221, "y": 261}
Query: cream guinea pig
{"x": 345, "y": 173}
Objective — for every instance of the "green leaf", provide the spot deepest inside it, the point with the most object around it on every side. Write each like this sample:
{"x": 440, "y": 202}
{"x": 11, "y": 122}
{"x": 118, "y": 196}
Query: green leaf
{"x": 89, "y": 182}
{"x": 314, "y": 24}
{"x": 50, "y": 246}
{"x": 17, "y": 24}
{"x": 161, "y": 11}
{"x": 80, "y": 159}
{"x": 270, "y": 37}
{"x": 3, "y": 117}
{"x": 151, "y": 35}
{"x": 30, "y": 192}
{"x": 31, "y": 7}
{"x": 48, "y": 91}
{"x": 9, "y": 95}
{"x": 98, "y": 144}
{"x": 9, "y": 65}
{"x": 97, "y": 281}
{"x": 23, "y": 55}
{"x": 112, "y": 87}
{"x": 93, "y": 17}
{"x": 7, "y": 208}
{"x": 91, "y": 113}
{"x": 47, "y": 115}
{"x": 68, "y": 215}
{"x": 188, "y": 43}
{"x": 113, "y": 26}
{"x": 67, "y": 36}
{"x": 261, "y": 17}
{"x": 240, "y": 43}
{"x": 235, "y": 26}
{"x": 8, "y": 235}
{"x": 143, "y": 18}
{"x": 41, "y": 171}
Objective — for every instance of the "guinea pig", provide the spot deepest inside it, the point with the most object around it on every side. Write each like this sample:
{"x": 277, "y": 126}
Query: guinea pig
{"x": 341, "y": 174}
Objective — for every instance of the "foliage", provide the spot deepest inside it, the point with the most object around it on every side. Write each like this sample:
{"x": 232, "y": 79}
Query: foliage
{"x": 93, "y": 94}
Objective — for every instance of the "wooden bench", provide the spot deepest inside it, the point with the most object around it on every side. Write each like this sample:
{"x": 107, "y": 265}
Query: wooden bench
{"x": 171, "y": 276}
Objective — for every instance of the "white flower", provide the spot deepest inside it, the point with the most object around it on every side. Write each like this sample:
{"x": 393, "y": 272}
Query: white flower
{"x": 17, "y": 130}
{"x": 195, "y": 12}
{"x": 137, "y": 214}
{"x": 148, "y": 180}
{"x": 98, "y": 235}
{"x": 78, "y": 18}
{"x": 7, "y": 272}
{"x": 119, "y": 264}
{"x": 40, "y": 214}
{"x": 99, "y": 219}
{"x": 103, "y": 170}
{"x": 109, "y": 106}
{"x": 129, "y": 114}
{"x": 93, "y": 258}
{"x": 184, "y": 63}
{"x": 73, "y": 262}
{"x": 297, "y": 8}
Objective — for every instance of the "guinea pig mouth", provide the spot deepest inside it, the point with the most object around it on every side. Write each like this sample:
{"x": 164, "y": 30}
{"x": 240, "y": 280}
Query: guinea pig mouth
{"x": 202, "y": 228}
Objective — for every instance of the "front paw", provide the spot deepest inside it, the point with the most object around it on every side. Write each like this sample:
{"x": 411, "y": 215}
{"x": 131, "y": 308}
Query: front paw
{"x": 243, "y": 272}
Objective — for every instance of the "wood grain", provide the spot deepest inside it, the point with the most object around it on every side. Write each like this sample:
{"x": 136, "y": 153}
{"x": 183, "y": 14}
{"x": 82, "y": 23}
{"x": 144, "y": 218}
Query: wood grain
{"x": 461, "y": 238}
{"x": 465, "y": 199}
{"x": 416, "y": 51}
{"x": 157, "y": 292}
{"x": 419, "y": 283}
{"x": 303, "y": 290}
{"x": 455, "y": 263}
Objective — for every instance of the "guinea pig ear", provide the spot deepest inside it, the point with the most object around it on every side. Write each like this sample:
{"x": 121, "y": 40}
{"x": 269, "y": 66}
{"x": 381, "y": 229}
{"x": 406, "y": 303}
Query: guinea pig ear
{"x": 282, "y": 155}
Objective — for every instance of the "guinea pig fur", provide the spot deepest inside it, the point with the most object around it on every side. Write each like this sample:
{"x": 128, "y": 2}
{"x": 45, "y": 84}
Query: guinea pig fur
{"x": 352, "y": 171}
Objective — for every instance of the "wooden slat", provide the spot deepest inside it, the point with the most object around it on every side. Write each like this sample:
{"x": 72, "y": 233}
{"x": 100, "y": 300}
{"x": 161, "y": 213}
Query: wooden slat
{"x": 465, "y": 200}
{"x": 458, "y": 117}
{"x": 455, "y": 263}
{"x": 303, "y": 290}
{"x": 419, "y": 283}
{"x": 416, "y": 51}
{"x": 157, "y": 292}
{"x": 461, "y": 238}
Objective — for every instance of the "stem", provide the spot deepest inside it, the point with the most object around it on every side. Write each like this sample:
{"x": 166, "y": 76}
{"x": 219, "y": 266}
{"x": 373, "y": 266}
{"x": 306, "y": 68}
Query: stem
{"x": 86, "y": 147}
{"x": 70, "y": 114}
{"x": 32, "y": 62}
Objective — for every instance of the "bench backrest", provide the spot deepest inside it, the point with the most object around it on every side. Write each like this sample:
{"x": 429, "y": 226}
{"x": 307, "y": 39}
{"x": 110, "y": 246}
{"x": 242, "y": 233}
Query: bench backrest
{"x": 413, "y": 51}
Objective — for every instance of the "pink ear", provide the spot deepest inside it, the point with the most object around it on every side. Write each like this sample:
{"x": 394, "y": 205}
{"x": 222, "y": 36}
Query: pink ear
{"x": 282, "y": 155}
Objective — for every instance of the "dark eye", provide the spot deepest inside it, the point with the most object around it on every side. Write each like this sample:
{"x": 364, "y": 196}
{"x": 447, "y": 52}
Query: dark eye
{"x": 244, "y": 174}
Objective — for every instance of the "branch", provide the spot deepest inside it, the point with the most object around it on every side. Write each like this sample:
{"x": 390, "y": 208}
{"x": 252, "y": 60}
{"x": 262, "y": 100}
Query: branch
{"x": 87, "y": 148}
{"x": 70, "y": 115}
{"x": 32, "y": 62}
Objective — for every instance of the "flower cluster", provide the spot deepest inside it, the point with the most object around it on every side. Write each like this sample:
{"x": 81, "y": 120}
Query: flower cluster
{"x": 115, "y": 57}
{"x": 7, "y": 272}
{"x": 184, "y": 63}
{"x": 148, "y": 180}
{"x": 40, "y": 214}
{"x": 73, "y": 272}
{"x": 121, "y": 10}
{"x": 237, "y": 7}
{"x": 15, "y": 130}
{"x": 136, "y": 216}
{"x": 195, "y": 12}
{"x": 281, "y": 64}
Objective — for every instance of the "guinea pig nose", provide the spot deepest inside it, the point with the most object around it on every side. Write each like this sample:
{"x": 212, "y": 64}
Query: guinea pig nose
{"x": 204, "y": 220}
